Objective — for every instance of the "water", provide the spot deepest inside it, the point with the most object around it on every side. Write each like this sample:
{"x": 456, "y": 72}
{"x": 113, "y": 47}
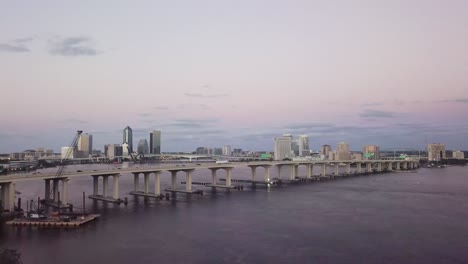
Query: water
{"x": 388, "y": 218}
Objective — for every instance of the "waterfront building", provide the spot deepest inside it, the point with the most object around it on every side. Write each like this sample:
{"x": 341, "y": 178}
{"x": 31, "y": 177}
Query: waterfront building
{"x": 237, "y": 152}
{"x": 113, "y": 150}
{"x": 325, "y": 150}
{"x": 155, "y": 142}
{"x": 128, "y": 137}
{"x": 331, "y": 155}
{"x": 458, "y": 155}
{"x": 303, "y": 144}
{"x": 143, "y": 147}
{"x": 356, "y": 156}
{"x": 283, "y": 147}
{"x": 371, "y": 152}
{"x": 70, "y": 151}
{"x": 436, "y": 152}
{"x": 85, "y": 146}
{"x": 218, "y": 151}
{"x": 227, "y": 150}
{"x": 125, "y": 150}
{"x": 342, "y": 151}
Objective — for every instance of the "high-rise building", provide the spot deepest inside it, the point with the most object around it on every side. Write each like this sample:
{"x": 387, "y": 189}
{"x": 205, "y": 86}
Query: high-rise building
{"x": 303, "y": 143}
{"x": 371, "y": 152}
{"x": 342, "y": 151}
{"x": 128, "y": 137}
{"x": 85, "y": 145}
{"x": 325, "y": 150}
{"x": 155, "y": 142}
{"x": 458, "y": 155}
{"x": 436, "y": 152}
{"x": 218, "y": 151}
{"x": 113, "y": 150}
{"x": 227, "y": 150}
{"x": 283, "y": 147}
{"x": 143, "y": 147}
{"x": 68, "y": 152}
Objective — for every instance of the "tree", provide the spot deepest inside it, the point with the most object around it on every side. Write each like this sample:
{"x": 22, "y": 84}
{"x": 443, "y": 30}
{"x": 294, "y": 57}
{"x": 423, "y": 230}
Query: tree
{"x": 10, "y": 256}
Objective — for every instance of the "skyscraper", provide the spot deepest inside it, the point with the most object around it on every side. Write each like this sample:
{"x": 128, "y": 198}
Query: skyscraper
{"x": 227, "y": 150}
{"x": 326, "y": 150}
{"x": 85, "y": 145}
{"x": 303, "y": 142}
{"x": 283, "y": 147}
{"x": 371, "y": 152}
{"x": 128, "y": 137}
{"x": 155, "y": 142}
{"x": 143, "y": 146}
{"x": 342, "y": 151}
{"x": 436, "y": 152}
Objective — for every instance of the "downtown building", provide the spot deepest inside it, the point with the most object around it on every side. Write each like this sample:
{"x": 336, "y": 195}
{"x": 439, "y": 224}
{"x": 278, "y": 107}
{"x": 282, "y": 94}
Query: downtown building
{"x": 302, "y": 142}
{"x": 458, "y": 155}
{"x": 283, "y": 147}
{"x": 85, "y": 146}
{"x": 113, "y": 150}
{"x": 342, "y": 151}
{"x": 155, "y": 142}
{"x": 143, "y": 147}
{"x": 227, "y": 150}
{"x": 436, "y": 152}
{"x": 371, "y": 152}
{"x": 128, "y": 137}
{"x": 325, "y": 151}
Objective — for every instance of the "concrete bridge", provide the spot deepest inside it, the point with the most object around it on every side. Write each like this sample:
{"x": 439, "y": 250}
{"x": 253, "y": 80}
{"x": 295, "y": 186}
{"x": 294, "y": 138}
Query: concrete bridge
{"x": 56, "y": 188}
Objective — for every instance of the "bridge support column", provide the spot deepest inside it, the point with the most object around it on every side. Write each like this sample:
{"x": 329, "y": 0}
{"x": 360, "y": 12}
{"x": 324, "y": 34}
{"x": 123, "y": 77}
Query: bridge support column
{"x": 136, "y": 181}
{"x": 228, "y": 177}
{"x": 324, "y": 169}
{"x": 95, "y": 185}
{"x": 337, "y": 169}
{"x": 359, "y": 167}
{"x": 266, "y": 176}
{"x": 405, "y": 165}
{"x": 116, "y": 187}
{"x": 368, "y": 167}
{"x": 64, "y": 198}
{"x": 8, "y": 196}
{"x": 292, "y": 172}
{"x": 105, "y": 185}
{"x": 279, "y": 171}
{"x": 55, "y": 187}
{"x": 188, "y": 184}
{"x": 173, "y": 179}
{"x": 348, "y": 168}
{"x": 379, "y": 167}
{"x": 254, "y": 172}
{"x": 47, "y": 190}
{"x": 310, "y": 169}
{"x": 146, "y": 182}
{"x": 157, "y": 183}
{"x": 390, "y": 166}
{"x": 213, "y": 176}
{"x": 398, "y": 166}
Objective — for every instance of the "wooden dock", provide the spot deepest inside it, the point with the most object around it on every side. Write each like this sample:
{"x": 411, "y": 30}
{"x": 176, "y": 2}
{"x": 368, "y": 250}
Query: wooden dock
{"x": 53, "y": 222}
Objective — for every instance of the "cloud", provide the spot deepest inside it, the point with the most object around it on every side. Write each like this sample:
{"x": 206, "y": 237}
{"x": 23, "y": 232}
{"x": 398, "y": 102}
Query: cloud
{"x": 461, "y": 100}
{"x": 372, "y": 113}
{"x": 74, "y": 46}
{"x": 200, "y": 95}
{"x": 14, "y": 48}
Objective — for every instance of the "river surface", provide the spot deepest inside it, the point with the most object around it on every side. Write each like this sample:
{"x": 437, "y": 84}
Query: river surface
{"x": 387, "y": 218}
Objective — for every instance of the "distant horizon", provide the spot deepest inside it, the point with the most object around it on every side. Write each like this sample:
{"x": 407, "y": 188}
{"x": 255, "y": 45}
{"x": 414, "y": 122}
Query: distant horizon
{"x": 391, "y": 73}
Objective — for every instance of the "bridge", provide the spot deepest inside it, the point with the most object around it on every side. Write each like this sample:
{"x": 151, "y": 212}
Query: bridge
{"x": 57, "y": 196}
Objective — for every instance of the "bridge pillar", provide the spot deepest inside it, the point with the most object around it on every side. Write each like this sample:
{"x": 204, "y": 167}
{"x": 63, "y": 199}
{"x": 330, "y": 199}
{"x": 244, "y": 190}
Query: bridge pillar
{"x": 146, "y": 182}
{"x": 136, "y": 181}
{"x": 279, "y": 171}
{"x": 8, "y": 195}
{"x": 292, "y": 171}
{"x": 95, "y": 185}
{"x": 116, "y": 187}
{"x": 266, "y": 176}
{"x": 157, "y": 183}
{"x": 337, "y": 169}
{"x": 47, "y": 189}
{"x": 64, "y": 198}
{"x": 105, "y": 184}
{"x": 228, "y": 176}
{"x": 188, "y": 184}
{"x": 405, "y": 165}
{"x": 398, "y": 166}
{"x": 324, "y": 169}
{"x": 379, "y": 167}
{"x": 254, "y": 172}
{"x": 213, "y": 176}
{"x": 348, "y": 168}
{"x": 359, "y": 167}
{"x": 55, "y": 187}
{"x": 390, "y": 166}
{"x": 368, "y": 167}
{"x": 310, "y": 169}
{"x": 173, "y": 179}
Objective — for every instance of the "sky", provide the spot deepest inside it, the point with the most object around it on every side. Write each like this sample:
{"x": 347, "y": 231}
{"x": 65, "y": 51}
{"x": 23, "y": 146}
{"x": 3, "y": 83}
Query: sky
{"x": 215, "y": 72}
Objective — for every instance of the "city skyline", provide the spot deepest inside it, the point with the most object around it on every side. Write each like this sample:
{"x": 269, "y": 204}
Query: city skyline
{"x": 387, "y": 73}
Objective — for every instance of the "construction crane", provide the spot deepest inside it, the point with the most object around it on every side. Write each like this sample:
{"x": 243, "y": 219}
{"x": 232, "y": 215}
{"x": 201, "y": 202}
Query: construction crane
{"x": 65, "y": 159}
{"x": 135, "y": 158}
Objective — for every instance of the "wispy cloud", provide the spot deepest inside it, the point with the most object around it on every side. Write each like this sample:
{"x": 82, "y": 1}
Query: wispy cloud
{"x": 73, "y": 46}
{"x": 372, "y": 113}
{"x": 200, "y": 95}
{"x": 13, "y": 48}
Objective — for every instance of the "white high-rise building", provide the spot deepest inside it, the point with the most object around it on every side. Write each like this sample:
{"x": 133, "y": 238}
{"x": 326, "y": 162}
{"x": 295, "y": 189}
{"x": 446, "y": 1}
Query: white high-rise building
{"x": 436, "y": 152}
{"x": 227, "y": 150}
{"x": 68, "y": 151}
{"x": 303, "y": 142}
{"x": 371, "y": 152}
{"x": 342, "y": 151}
{"x": 283, "y": 147}
{"x": 458, "y": 155}
{"x": 128, "y": 137}
{"x": 155, "y": 142}
{"x": 85, "y": 145}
